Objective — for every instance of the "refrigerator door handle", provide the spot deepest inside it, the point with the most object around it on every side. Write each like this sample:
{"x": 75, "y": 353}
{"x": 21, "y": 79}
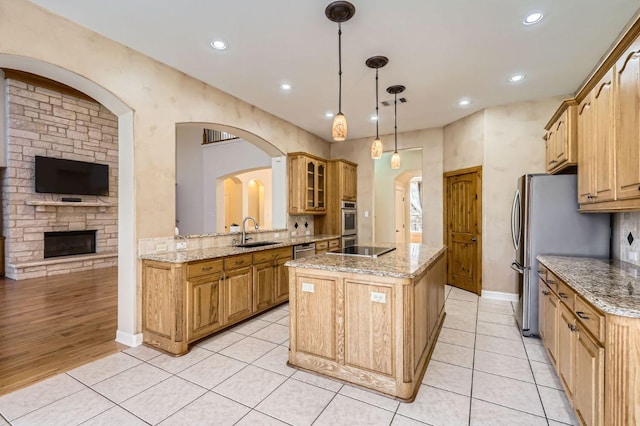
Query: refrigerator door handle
{"x": 515, "y": 216}
{"x": 517, "y": 267}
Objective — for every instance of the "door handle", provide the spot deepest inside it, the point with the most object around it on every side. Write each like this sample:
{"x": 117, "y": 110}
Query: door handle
{"x": 474, "y": 239}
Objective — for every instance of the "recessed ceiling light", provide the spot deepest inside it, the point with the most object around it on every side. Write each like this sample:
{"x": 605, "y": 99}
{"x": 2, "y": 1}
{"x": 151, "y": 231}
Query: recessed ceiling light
{"x": 285, "y": 86}
{"x": 464, "y": 102}
{"x": 516, "y": 78}
{"x": 373, "y": 117}
{"x": 218, "y": 44}
{"x": 533, "y": 18}
{"x": 328, "y": 114}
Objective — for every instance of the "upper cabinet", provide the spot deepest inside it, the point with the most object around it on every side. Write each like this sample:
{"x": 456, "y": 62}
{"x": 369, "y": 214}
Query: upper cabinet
{"x": 627, "y": 133}
{"x": 307, "y": 184}
{"x": 602, "y": 134}
{"x": 348, "y": 179}
{"x": 561, "y": 139}
{"x": 596, "y": 137}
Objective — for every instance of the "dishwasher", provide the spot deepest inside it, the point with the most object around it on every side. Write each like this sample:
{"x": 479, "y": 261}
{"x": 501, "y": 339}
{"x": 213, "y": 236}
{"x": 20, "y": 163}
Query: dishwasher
{"x": 304, "y": 250}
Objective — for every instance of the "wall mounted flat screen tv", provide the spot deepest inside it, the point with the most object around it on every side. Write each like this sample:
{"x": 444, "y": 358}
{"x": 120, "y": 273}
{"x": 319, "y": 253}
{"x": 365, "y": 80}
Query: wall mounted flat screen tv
{"x": 59, "y": 176}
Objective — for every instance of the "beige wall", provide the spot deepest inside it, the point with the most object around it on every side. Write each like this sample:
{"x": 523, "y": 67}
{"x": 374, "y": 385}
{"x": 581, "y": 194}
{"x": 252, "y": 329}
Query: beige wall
{"x": 358, "y": 151}
{"x": 464, "y": 142}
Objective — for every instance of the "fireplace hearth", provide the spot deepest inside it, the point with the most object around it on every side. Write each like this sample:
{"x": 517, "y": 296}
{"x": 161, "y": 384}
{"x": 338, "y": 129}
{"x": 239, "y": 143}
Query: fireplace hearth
{"x": 69, "y": 243}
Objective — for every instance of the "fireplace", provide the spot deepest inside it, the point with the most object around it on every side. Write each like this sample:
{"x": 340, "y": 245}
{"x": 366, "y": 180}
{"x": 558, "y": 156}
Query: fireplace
{"x": 69, "y": 243}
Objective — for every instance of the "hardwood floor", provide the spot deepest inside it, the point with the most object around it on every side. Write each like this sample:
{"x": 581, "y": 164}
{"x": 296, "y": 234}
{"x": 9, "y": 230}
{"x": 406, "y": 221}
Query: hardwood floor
{"x": 54, "y": 324}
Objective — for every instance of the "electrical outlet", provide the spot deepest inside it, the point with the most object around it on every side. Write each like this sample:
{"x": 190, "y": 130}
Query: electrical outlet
{"x": 378, "y": 297}
{"x": 307, "y": 232}
{"x": 307, "y": 287}
{"x": 276, "y": 235}
{"x": 182, "y": 245}
{"x": 161, "y": 247}
{"x": 366, "y": 213}
{"x": 294, "y": 233}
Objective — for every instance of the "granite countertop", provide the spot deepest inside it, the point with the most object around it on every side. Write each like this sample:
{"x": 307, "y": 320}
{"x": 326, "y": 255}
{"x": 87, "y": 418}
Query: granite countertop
{"x": 611, "y": 285}
{"x": 406, "y": 261}
{"x": 182, "y": 256}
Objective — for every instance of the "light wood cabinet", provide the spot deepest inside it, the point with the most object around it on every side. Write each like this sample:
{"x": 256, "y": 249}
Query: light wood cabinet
{"x": 566, "y": 349}
{"x": 328, "y": 245}
{"x": 204, "y": 305}
{"x": 551, "y": 325}
{"x": 307, "y": 184}
{"x": 596, "y": 143}
{"x": 343, "y": 186}
{"x": 627, "y": 75}
{"x": 588, "y": 396}
{"x": 184, "y": 302}
{"x": 561, "y": 138}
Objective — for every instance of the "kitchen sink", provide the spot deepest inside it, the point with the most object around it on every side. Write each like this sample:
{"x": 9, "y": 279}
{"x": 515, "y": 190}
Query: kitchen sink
{"x": 257, "y": 244}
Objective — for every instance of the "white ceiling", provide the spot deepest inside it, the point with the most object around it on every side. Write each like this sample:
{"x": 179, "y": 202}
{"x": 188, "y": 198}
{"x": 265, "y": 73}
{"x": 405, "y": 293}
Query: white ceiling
{"x": 441, "y": 50}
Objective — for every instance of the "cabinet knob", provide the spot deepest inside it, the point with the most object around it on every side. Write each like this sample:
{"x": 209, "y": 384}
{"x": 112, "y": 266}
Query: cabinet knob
{"x": 553, "y": 162}
{"x": 571, "y": 327}
{"x": 563, "y": 295}
{"x": 207, "y": 268}
{"x": 546, "y": 293}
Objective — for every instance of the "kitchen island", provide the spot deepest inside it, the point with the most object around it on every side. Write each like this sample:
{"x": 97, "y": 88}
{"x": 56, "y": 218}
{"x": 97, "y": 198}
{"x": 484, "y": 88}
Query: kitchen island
{"x": 372, "y": 322}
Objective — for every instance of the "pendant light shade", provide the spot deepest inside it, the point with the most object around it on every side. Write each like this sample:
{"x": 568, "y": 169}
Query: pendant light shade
{"x": 376, "y": 62}
{"x": 339, "y": 128}
{"x": 394, "y": 90}
{"x": 339, "y": 11}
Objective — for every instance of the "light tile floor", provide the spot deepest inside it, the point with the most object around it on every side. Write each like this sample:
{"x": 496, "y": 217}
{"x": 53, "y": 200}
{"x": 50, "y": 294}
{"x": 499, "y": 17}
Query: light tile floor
{"x": 482, "y": 373}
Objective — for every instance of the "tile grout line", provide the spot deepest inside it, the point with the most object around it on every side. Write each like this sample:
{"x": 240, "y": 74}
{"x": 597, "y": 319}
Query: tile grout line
{"x": 473, "y": 364}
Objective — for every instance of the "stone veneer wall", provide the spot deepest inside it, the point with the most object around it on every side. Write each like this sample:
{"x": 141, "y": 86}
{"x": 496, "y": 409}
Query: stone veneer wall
{"x": 49, "y": 123}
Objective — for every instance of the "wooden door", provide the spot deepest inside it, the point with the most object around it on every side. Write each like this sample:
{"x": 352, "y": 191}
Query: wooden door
{"x": 321, "y": 185}
{"x": 263, "y": 288}
{"x": 204, "y": 304}
{"x": 463, "y": 219}
{"x": 400, "y": 216}
{"x": 585, "y": 154}
{"x": 566, "y": 348}
{"x": 627, "y": 108}
{"x": 238, "y": 294}
{"x": 311, "y": 182}
{"x": 603, "y": 142}
{"x": 561, "y": 153}
{"x": 588, "y": 398}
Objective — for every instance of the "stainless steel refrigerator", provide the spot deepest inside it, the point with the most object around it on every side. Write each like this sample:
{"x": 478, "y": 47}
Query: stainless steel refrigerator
{"x": 545, "y": 220}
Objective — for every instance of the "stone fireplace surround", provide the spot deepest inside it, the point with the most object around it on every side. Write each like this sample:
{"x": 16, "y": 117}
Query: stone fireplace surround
{"x": 47, "y": 122}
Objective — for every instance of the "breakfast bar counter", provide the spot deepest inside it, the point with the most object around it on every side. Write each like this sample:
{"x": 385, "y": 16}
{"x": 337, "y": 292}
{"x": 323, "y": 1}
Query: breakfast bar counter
{"x": 368, "y": 321}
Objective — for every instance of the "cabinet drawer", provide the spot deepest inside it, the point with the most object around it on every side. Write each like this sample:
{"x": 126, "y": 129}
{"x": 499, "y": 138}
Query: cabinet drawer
{"x": 235, "y": 262}
{"x": 590, "y": 318}
{"x": 552, "y": 282}
{"x": 275, "y": 254}
{"x": 566, "y": 295}
{"x": 322, "y": 245}
{"x": 205, "y": 267}
{"x": 334, "y": 243}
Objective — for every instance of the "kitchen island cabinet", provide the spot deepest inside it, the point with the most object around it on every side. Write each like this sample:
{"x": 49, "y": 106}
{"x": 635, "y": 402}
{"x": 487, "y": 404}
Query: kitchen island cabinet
{"x": 372, "y": 322}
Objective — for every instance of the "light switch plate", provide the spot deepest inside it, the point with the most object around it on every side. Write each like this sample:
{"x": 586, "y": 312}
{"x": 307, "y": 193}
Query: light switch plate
{"x": 161, "y": 247}
{"x": 182, "y": 245}
{"x": 308, "y": 287}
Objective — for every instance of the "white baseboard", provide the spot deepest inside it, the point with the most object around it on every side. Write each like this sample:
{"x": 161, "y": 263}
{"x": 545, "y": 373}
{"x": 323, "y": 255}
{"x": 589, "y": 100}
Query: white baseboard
{"x": 498, "y": 295}
{"x": 131, "y": 340}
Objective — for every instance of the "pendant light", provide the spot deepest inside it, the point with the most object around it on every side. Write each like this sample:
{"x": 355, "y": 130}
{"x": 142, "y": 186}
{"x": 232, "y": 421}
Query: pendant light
{"x": 377, "y": 62}
{"x": 394, "y": 90}
{"x": 339, "y": 11}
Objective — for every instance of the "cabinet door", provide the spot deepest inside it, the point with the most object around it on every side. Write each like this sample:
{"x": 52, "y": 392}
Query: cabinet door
{"x": 204, "y": 305}
{"x": 310, "y": 194}
{"x": 238, "y": 294}
{"x": 543, "y": 294}
{"x": 585, "y": 151}
{"x": 321, "y": 185}
{"x": 561, "y": 148}
{"x": 349, "y": 182}
{"x": 549, "y": 150}
{"x": 566, "y": 349}
{"x": 551, "y": 326}
{"x": 281, "y": 275}
{"x": 263, "y": 288}
{"x": 627, "y": 108}
{"x": 602, "y": 144}
{"x": 588, "y": 398}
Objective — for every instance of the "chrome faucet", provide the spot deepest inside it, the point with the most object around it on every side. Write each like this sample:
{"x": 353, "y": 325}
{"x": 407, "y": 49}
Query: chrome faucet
{"x": 244, "y": 232}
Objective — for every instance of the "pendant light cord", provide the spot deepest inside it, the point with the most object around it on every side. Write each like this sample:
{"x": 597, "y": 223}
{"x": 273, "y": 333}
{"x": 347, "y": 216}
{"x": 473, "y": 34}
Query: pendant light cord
{"x": 377, "y": 114}
{"x": 339, "y": 68}
{"x": 395, "y": 120}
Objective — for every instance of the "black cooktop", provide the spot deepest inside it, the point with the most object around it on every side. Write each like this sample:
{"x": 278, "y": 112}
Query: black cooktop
{"x": 365, "y": 251}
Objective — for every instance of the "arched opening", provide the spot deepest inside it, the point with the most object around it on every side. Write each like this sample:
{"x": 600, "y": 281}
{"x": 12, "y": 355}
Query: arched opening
{"x": 255, "y": 200}
{"x": 127, "y": 299}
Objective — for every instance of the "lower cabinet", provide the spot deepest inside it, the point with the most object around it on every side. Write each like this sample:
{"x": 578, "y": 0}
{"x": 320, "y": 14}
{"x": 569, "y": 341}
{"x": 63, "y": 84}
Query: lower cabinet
{"x": 566, "y": 349}
{"x": 238, "y": 286}
{"x": 204, "y": 305}
{"x": 281, "y": 285}
{"x": 549, "y": 323}
{"x": 588, "y": 396}
{"x": 264, "y": 289}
